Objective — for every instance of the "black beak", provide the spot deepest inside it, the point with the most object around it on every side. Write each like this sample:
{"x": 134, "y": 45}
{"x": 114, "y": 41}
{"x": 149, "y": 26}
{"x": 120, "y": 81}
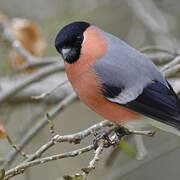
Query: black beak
{"x": 65, "y": 52}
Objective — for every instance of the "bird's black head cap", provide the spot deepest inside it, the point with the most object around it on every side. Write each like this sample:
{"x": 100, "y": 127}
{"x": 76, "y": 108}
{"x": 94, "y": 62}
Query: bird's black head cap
{"x": 69, "y": 40}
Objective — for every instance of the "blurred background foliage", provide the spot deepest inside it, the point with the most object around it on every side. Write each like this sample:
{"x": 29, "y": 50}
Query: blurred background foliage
{"x": 118, "y": 18}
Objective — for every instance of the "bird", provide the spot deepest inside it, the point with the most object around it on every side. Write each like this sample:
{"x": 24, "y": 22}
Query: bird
{"x": 115, "y": 80}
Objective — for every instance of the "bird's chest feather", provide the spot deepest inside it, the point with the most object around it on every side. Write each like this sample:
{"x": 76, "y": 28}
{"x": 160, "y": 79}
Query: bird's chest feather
{"x": 86, "y": 83}
{"x": 89, "y": 91}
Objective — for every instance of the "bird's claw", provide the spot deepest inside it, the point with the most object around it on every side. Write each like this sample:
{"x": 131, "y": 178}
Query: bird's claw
{"x": 102, "y": 136}
{"x": 121, "y": 132}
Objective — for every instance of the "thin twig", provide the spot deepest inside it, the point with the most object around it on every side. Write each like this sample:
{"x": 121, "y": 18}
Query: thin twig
{"x": 76, "y": 138}
{"x": 20, "y": 168}
{"x": 172, "y": 63}
{"x": 42, "y": 73}
{"x": 45, "y": 94}
{"x": 37, "y": 113}
{"x": 40, "y": 62}
{"x": 171, "y": 71}
{"x": 16, "y": 147}
{"x": 52, "y": 127}
{"x": 140, "y": 147}
{"x": 159, "y": 49}
{"x": 30, "y": 134}
{"x": 144, "y": 133}
{"x": 160, "y": 57}
{"x": 153, "y": 18}
{"x": 96, "y": 156}
{"x": 31, "y": 61}
{"x": 36, "y": 88}
{"x": 16, "y": 44}
{"x": 31, "y": 162}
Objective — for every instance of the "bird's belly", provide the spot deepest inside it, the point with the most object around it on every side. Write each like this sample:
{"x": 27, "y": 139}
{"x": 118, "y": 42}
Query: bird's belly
{"x": 90, "y": 94}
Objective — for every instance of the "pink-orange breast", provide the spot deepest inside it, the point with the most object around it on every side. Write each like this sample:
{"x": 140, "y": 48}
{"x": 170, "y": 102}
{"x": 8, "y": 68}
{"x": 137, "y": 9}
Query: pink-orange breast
{"x": 85, "y": 81}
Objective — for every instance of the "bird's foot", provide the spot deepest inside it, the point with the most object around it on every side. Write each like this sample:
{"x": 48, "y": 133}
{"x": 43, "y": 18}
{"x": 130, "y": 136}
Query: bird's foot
{"x": 121, "y": 132}
{"x": 102, "y": 136}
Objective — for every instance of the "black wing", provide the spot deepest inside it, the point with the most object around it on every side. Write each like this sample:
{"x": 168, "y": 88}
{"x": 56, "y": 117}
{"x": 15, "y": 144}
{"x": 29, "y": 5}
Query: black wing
{"x": 158, "y": 102}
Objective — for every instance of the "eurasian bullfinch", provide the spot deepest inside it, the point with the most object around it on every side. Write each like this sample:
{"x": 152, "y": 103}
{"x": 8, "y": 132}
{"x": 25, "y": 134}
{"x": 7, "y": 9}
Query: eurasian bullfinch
{"x": 115, "y": 80}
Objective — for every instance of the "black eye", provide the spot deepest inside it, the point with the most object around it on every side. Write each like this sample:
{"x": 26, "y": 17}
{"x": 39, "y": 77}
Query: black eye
{"x": 79, "y": 38}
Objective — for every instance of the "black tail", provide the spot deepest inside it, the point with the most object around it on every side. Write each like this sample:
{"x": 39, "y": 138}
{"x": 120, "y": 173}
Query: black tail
{"x": 158, "y": 102}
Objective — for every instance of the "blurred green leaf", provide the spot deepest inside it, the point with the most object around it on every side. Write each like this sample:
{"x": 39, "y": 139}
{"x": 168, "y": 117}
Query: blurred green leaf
{"x": 86, "y": 170}
{"x": 9, "y": 140}
{"x": 77, "y": 176}
{"x": 2, "y": 174}
{"x": 127, "y": 148}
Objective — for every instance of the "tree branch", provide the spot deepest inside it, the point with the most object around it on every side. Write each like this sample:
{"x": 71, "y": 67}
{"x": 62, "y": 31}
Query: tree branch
{"x": 28, "y": 136}
{"x": 20, "y": 168}
{"x": 42, "y": 73}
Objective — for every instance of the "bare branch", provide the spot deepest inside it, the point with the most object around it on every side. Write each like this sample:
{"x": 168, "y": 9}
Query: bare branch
{"x": 96, "y": 156}
{"x": 45, "y": 94}
{"x": 159, "y": 49}
{"x": 42, "y": 73}
{"x": 30, "y": 134}
{"x": 37, "y": 88}
{"x": 31, "y": 162}
{"x": 76, "y": 138}
{"x": 52, "y": 127}
{"x": 154, "y": 20}
{"x": 38, "y": 63}
{"x": 171, "y": 71}
{"x": 144, "y": 133}
{"x": 140, "y": 147}
{"x": 20, "y": 168}
{"x": 160, "y": 57}
{"x": 37, "y": 113}
{"x": 16, "y": 148}
{"x": 172, "y": 63}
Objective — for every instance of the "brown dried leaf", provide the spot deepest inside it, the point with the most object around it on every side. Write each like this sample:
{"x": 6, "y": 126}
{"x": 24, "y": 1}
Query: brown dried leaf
{"x": 29, "y": 35}
{"x": 3, "y": 18}
{"x": 2, "y": 131}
